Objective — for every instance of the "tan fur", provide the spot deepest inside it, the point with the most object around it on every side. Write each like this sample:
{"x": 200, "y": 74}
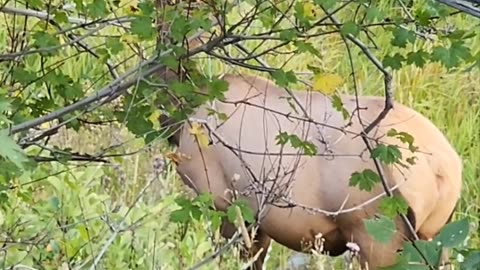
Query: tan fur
{"x": 432, "y": 185}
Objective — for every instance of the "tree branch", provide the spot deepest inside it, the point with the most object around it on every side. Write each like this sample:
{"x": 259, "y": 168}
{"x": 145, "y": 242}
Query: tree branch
{"x": 73, "y": 20}
{"x": 115, "y": 88}
{"x": 464, "y": 6}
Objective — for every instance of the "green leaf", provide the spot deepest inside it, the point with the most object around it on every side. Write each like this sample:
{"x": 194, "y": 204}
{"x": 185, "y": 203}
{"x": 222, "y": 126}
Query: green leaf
{"x": 380, "y": 229}
{"x": 388, "y": 154}
{"x": 337, "y": 104}
{"x": 267, "y": 19}
{"x": 232, "y": 214}
{"x": 460, "y": 34}
{"x": 216, "y": 219}
{"x": 303, "y": 18}
{"x": 187, "y": 211}
{"x": 402, "y": 36}
{"x": 179, "y": 28}
{"x": 138, "y": 124}
{"x": 4, "y": 105}
{"x": 403, "y": 137}
{"x": 97, "y": 9}
{"x": 217, "y": 88}
{"x": 170, "y": 61}
{"x": 453, "y": 56}
{"x": 65, "y": 86}
{"x": 373, "y": 13}
{"x": 326, "y": 4}
{"x": 142, "y": 26}
{"x": 104, "y": 55}
{"x": 395, "y": 61}
{"x": 180, "y": 215}
{"x": 422, "y": 249}
{"x": 246, "y": 211}
{"x": 417, "y": 58}
{"x": 79, "y": 5}
{"x": 283, "y": 138}
{"x": 114, "y": 45}
{"x": 60, "y": 17}
{"x": 472, "y": 261}
{"x": 196, "y": 212}
{"x": 36, "y": 4}
{"x": 201, "y": 21}
{"x": 43, "y": 40}
{"x": 282, "y": 78}
{"x": 306, "y": 47}
{"x": 147, "y": 8}
{"x": 54, "y": 203}
{"x": 453, "y": 233}
{"x": 10, "y": 150}
{"x": 365, "y": 180}
{"x": 182, "y": 89}
{"x": 288, "y": 35}
{"x": 392, "y": 206}
{"x": 23, "y": 76}
{"x": 350, "y": 27}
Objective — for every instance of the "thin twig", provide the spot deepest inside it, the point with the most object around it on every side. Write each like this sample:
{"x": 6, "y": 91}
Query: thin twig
{"x": 73, "y": 20}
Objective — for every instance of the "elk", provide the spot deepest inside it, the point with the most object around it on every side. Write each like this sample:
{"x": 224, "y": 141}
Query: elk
{"x": 244, "y": 155}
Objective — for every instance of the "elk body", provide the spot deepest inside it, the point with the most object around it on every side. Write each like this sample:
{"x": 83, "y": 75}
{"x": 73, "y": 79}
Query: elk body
{"x": 431, "y": 186}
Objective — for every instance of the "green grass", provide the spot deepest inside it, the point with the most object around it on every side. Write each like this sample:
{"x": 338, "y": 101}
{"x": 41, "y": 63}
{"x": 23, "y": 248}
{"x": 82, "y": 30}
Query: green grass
{"x": 97, "y": 195}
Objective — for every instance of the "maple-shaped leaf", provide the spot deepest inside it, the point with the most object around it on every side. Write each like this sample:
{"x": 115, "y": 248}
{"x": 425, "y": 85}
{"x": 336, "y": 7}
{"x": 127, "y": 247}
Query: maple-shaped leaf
{"x": 452, "y": 56}
{"x": 365, "y": 180}
{"x": 10, "y": 150}
{"x": 391, "y": 206}
{"x": 388, "y": 154}
{"x": 418, "y": 58}
{"x": 402, "y": 36}
{"x": 381, "y": 229}
{"x": 282, "y": 78}
{"x": 395, "y": 61}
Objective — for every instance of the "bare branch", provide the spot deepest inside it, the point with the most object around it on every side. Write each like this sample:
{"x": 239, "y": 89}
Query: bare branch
{"x": 73, "y": 20}
{"x": 378, "y": 64}
{"x": 464, "y": 6}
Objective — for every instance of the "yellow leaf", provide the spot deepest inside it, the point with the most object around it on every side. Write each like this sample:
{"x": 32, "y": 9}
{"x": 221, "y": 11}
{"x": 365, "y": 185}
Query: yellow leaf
{"x": 199, "y": 133}
{"x": 154, "y": 118}
{"x": 129, "y": 38}
{"x": 309, "y": 10}
{"x": 18, "y": 93}
{"x": 130, "y": 7}
{"x": 45, "y": 125}
{"x": 327, "y": 83}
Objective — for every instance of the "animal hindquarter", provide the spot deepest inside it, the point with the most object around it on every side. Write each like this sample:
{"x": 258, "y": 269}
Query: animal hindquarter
{"x": 246, "y": 145}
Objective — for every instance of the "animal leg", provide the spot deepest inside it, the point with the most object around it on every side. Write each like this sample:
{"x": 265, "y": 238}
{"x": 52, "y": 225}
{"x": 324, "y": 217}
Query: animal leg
{"x": 373, "y": 254}
{"x": 260, "y": 248}
{"x": 260, "y": 241}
